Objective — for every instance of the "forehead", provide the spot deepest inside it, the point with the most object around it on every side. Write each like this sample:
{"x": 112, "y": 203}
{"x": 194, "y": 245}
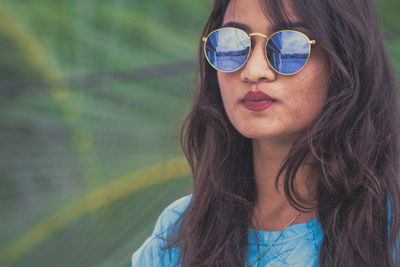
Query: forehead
{"x": 253, "y": 14}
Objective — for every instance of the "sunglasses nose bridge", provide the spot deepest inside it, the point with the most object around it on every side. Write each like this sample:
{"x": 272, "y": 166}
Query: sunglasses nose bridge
{"x": 257, "y": 34}
{"x": 260, "y": 35}
{"x": 257, "y": 66}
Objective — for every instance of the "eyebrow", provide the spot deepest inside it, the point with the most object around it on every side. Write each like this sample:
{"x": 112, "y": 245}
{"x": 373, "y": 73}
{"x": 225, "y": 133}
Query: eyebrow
{"x": 273, "y": 28}
{"x": 237, "y": 25}
{"x": 288, "y": 26}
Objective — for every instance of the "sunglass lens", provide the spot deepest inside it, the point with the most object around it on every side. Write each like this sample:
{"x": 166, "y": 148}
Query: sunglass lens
{"x": 227, "y": 49}
{"x": 288, "y": 51}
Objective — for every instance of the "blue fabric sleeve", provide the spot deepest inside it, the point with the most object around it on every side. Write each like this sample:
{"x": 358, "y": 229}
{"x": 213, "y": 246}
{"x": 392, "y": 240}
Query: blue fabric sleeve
{"x": 150, "y": 253}
{"x": 389, "y": 206}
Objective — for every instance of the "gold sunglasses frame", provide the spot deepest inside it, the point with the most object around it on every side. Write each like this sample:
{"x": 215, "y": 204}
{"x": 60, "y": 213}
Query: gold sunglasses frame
{"x": 249, "y": 35}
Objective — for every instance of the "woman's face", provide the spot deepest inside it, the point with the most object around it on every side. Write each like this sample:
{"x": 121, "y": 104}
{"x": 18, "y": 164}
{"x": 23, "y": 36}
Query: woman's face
{"x": 298, "y": 98}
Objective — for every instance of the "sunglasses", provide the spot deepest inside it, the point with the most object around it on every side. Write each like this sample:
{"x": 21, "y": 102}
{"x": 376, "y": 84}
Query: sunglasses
{"x": 228, "y": 49}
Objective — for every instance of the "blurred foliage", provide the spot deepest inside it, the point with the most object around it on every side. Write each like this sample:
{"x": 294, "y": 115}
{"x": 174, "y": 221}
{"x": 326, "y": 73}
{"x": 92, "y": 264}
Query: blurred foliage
{"x": 93, "y": 95}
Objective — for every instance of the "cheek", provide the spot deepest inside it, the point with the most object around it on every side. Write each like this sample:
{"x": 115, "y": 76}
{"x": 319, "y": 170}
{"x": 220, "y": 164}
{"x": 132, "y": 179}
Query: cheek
{"x": 314, "y": 82}
{"x": 226, "y": 85}
{"x": 231, "y": 94}
{"x": 222, "y": 80}
{"x": 310, "y": 98}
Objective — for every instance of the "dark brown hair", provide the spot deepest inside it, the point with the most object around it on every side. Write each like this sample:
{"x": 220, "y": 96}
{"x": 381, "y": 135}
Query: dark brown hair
{"x": 355, "y": 140}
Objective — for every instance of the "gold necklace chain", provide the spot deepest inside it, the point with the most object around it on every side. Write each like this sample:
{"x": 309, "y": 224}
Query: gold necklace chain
{"x": 259, "y": 257}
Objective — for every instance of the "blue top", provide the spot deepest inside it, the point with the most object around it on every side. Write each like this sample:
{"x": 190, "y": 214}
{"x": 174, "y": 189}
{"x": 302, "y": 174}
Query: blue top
{"x": 297, "y": 246}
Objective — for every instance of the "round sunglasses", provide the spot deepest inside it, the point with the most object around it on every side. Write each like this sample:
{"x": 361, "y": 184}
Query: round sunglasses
{"x": 228, "y": 49}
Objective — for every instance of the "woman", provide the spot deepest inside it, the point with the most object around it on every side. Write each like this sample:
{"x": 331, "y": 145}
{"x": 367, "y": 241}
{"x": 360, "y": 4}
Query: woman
{"x": 293, "y": 141}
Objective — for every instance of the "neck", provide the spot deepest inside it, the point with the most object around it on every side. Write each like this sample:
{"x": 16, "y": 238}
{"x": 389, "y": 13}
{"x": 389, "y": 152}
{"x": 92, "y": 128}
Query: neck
{"x": 271, "y": 206}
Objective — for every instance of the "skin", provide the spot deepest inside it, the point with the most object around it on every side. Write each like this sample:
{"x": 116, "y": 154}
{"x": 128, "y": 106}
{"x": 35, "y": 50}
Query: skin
{"x": 299, "y": 99}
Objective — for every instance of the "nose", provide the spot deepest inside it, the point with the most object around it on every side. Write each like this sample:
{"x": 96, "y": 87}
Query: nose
{"x": 257, "y": 68}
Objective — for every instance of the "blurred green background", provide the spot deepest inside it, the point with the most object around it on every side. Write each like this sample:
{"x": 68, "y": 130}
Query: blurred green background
{"x": 93, "y": 95}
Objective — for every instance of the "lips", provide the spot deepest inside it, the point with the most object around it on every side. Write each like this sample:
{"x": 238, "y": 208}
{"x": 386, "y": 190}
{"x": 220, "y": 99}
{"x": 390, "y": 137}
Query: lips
{"x": 257, "y": 101}
{"x": 256, "y": 96}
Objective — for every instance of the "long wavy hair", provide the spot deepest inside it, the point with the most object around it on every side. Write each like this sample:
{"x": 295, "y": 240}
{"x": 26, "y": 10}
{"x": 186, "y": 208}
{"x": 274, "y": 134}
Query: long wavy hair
{"x": 355, "y": 141}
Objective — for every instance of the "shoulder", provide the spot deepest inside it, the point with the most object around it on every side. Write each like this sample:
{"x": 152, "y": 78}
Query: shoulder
{"x": 171, "y": 214}
{"x": 151, "y": 252}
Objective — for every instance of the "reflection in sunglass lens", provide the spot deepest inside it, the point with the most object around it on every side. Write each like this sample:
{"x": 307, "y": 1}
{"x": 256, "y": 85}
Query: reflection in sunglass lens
{"x": 288, "y": 51}
{"x": 227, "y": 49}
